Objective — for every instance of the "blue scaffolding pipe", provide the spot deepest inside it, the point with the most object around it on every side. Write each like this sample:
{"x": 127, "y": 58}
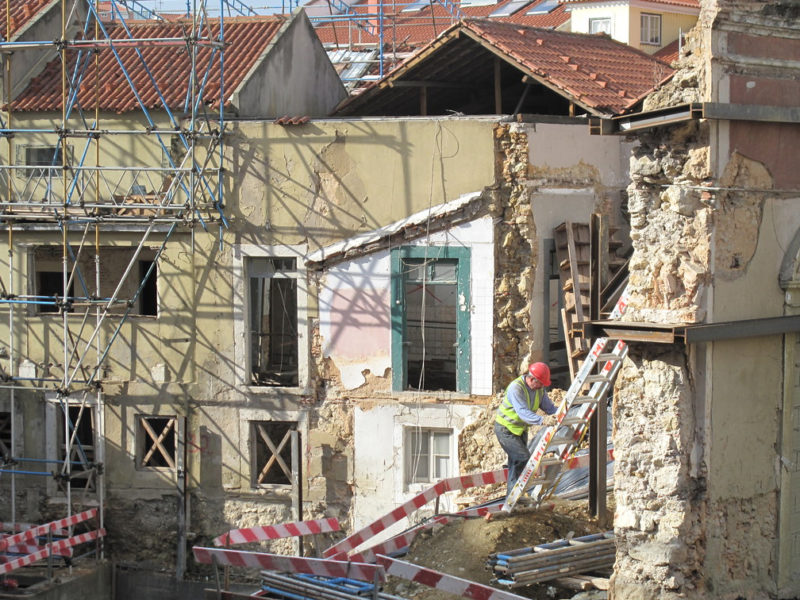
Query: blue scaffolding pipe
{"x": 45, "y": 460}
{"x": 73, "y": 441}
{"x": 16, "y": 472}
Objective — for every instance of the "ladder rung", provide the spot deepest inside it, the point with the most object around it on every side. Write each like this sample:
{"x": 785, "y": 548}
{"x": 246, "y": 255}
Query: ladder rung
{"x": 584, "y": 400}
{"x": 596, "y": 378}
{"x": 608, "y": 356}
{"x": 570, "y": 421}
{"x": 549, "y": 462}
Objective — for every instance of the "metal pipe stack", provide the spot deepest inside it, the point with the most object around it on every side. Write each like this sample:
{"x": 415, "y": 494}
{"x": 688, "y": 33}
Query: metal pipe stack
{"x": 529, "y": 565}
{"x": 311, "y": 587}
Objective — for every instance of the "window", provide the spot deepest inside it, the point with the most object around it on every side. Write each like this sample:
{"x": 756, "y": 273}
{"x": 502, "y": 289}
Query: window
{"x": 427, "y": 454}
{"x": 651, "y": 29}
{"x": 600, "y": 25}
{"x": 275, "y": 453}
{"x": 156, "y": 441}
{"x": 430, "y": 318}
{"x": 5, "y": 436}
{"x": 80, "y": 429}
{"x": 114, "y": 261}
{"x": 42, "y": 156}
{"x": 273, "y": 321}
{"x": 543, "y": 8}
{"x": 51, "y": 291}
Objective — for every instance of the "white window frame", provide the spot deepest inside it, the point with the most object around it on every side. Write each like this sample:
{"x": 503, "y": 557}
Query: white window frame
{"x": 409, "y": 453}
{"x": 241, "y": 315}
{"x": 647, "y": 22}
{"x": 598, "y": 20}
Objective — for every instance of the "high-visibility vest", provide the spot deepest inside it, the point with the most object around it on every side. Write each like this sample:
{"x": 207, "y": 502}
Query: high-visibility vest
{"x": 508, "y": 417}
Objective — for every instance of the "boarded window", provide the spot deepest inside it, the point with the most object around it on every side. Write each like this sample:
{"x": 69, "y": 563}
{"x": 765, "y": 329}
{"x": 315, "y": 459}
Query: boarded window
{"x": 273, "y": 321}
{"x": 156, "y": 437}
{"x": 272, "y": 456}
{"x": 427, "y": 454}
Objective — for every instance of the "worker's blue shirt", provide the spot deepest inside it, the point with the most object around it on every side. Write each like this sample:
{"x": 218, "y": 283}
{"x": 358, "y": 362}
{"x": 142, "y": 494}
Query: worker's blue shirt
{"x": 517, "y": 396}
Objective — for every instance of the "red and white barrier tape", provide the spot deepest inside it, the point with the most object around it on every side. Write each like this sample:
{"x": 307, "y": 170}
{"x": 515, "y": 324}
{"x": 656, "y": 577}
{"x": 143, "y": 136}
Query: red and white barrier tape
{"x": 54, "y": 548}
{"x": 418, "y": 501}
{"x": 31, "y": 548}
{"x": 442, "y": 581}
{"x": 272, "y": 532}
{"x": 289, "y": 564}
{"x": 34, "y": 532}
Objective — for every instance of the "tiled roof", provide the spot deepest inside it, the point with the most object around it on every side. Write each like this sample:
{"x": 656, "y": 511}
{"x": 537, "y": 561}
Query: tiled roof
{"x": 246, "y": 39}
{"x": 669, "y": 53}
{"x": 595, "y": 72}
{"x": 686, "y": 3}
{"x": 420, "y": 27}
{"x": 20, "y": 13}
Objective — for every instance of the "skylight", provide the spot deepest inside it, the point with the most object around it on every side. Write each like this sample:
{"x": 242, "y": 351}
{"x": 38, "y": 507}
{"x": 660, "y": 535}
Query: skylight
{"x": 509, "y": 9}
{"x": 415, "y": 6}
{"x": 543, "y": 8}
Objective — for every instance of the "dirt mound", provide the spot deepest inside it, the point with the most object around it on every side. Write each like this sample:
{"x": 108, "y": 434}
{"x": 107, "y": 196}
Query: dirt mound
{"x": 461, "y": 547}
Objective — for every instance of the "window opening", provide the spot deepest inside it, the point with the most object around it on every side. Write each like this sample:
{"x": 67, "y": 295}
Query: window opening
{"x": 114, "y": 261}
{"x": 273, "y": 321}
{"x": 427, "y": 455}
{"x": 82, "y": 455}
{"x": 156, "y": 437}
{"x": 430, "y": 318}
{"x": 272, "y": 452}
{"x": 148, "y": 297}
{"x": 508, "y": 9}
{"x": 651, "y": 29}
{"x": 600, "y": 26}
{"x": 5, "y": 436}
{"x": 431, "y": 291}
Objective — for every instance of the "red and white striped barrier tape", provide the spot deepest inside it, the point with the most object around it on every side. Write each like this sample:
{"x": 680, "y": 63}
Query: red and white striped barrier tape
{"x": 403, "y": 540}
{"x": 35, "y": 532}
{"x": 273, "y": 532}
{"x": 31, "y": 548}
{"x": 445, "y": 485}
{"x": 442, "y": 581}
{"x": 289, "y": 564}
{"x": 54, "y": 548}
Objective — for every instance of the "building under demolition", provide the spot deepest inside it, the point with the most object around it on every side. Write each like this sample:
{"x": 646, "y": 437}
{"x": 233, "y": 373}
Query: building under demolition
{"x": 234, "y": 297}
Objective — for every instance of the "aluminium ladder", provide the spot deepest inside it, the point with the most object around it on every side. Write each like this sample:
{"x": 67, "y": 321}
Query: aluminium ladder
{"x": 561, "y": 440}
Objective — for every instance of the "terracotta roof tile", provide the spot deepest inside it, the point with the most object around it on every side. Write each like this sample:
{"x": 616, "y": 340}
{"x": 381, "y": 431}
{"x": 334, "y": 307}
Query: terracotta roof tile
{"x": 420, "y": 27}
{"x": 685, "y": 3}
{"x": 601, "y": 73}
{"x": 246, "y": 38}
{"x": 20, "y": 13}
{"x": 669, "y": 53}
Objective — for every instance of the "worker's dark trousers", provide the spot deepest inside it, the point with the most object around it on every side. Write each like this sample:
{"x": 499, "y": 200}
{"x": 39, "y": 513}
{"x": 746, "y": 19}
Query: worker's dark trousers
{"x": 516, "y": 447}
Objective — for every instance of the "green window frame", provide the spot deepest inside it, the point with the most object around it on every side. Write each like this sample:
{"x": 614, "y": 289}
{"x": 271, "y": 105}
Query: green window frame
{"x": 399, "y": 323}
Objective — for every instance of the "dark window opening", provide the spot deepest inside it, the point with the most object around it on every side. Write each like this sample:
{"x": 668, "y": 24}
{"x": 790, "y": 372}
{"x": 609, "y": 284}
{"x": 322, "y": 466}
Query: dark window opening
{"x": 49, "y": 285}
{"x": 81, "y": 434}
{"x": 273, "y": 321}
{"x": 5, "y": 436}
{"x": 148, "y": 296}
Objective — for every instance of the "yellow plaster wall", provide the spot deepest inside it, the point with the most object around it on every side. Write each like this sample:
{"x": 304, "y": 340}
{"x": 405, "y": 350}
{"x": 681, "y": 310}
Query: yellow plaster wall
{"x": 671, "y": 26}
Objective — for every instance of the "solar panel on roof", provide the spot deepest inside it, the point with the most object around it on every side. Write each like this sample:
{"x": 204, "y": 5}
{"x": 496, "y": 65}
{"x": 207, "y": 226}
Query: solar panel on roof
{"x": 415, "y": 6}
{"x": 543, "y": 8}
{"x": 509, "y": 9}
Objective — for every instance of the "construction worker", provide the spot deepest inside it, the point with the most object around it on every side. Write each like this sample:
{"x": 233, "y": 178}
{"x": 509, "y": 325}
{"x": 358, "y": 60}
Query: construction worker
{"x": 523, "y": 397}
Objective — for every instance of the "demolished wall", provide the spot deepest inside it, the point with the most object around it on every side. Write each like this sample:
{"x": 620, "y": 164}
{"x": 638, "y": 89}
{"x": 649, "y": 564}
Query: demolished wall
{"x": 697, "y": 426}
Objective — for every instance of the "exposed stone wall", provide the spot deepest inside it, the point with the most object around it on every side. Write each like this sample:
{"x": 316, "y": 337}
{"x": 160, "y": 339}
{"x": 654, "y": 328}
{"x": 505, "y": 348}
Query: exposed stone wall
{"x": 515, "y": 257}
{"x": 660, "y": 497}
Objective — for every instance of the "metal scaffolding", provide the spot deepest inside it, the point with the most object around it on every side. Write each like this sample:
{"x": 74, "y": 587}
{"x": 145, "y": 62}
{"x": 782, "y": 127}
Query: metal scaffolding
{"x": 72, "y": 191}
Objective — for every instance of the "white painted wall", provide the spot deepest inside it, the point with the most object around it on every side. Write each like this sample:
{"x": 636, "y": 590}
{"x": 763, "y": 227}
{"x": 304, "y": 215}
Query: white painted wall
{"x": 354, "y": 311}
{"x": 379, "y": 457}
{"x": 617, "y": 11}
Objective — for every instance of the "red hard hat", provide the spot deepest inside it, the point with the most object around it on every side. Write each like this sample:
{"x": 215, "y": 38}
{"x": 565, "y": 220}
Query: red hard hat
{"x": 540, "y": 371}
